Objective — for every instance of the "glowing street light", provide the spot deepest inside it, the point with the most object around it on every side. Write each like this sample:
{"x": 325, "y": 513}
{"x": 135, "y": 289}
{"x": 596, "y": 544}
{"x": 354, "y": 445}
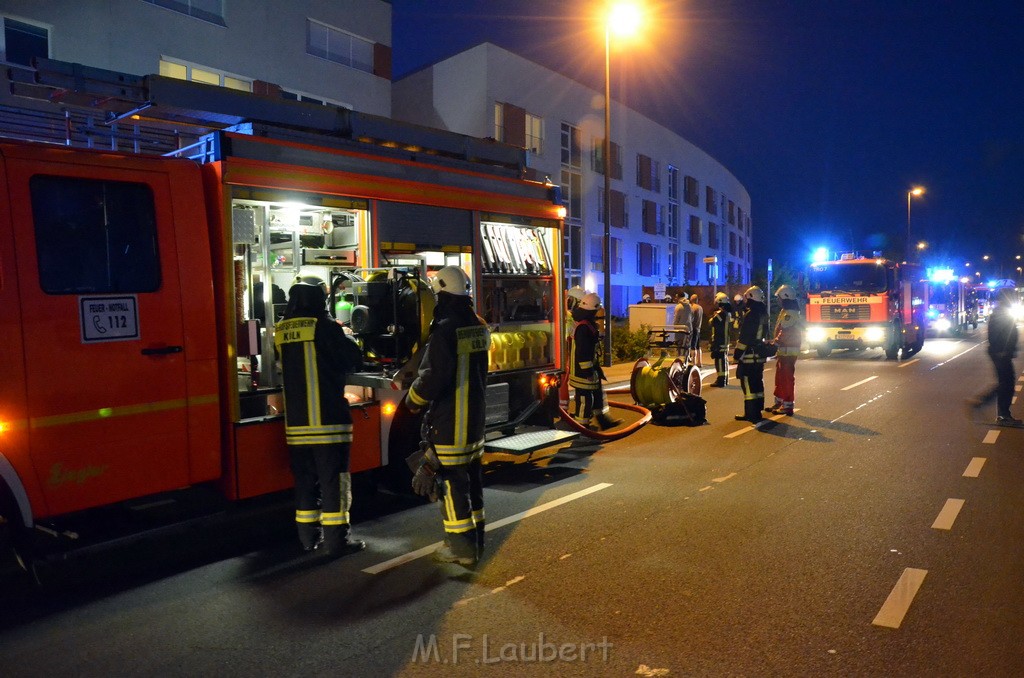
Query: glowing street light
{"x": 922, "y": 246}
{"x": 917, "y": 192}
{"x": 623, "y": 19}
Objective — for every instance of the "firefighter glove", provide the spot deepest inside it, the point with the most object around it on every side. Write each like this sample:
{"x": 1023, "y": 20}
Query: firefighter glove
{"x": 425, "y": 465}
{"x": 736, "y": 355}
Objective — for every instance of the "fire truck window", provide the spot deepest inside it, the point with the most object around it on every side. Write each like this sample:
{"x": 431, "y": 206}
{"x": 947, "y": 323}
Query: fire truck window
{"x": 518, "y": 301}
{"x": 94, "y": 236}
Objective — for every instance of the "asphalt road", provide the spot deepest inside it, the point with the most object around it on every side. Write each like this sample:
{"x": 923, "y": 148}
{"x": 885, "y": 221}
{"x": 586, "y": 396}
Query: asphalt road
{"x": 876, "y": 532}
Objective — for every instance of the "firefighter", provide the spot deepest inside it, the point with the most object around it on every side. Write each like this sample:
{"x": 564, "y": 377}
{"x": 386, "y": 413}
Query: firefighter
{"x": 721, "y": 326}
{"x": 789, "y": 329}
{"x": 316, "y": 356}
{"x": 572, "y": 300}
{"x": 749, "y": 354}
{"x": 585, "y": 375}
{"x": 451, "y": 385}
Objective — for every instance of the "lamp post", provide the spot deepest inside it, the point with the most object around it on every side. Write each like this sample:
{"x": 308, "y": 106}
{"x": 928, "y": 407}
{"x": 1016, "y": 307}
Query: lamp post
{"x": 624, "y": 19}
{"x": 916, "y": 191}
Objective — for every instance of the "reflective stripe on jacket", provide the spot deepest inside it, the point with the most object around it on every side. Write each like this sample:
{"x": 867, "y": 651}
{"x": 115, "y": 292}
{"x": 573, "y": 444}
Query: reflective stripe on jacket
{"x": 316, "y": 357}
{"x": 452, "y": 379}
{"x": 585, "y": 355}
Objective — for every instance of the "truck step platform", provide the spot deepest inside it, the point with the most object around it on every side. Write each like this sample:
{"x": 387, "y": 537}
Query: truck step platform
{"x": 531, "y": 441}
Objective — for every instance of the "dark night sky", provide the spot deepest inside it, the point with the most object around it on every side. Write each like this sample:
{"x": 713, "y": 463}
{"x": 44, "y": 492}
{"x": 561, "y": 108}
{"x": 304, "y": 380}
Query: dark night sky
{"x": 828, "y": 111}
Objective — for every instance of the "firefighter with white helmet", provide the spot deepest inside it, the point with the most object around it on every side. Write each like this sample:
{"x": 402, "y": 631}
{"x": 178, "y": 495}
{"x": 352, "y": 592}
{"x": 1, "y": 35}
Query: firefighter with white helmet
{"x": 721, "y": 322}
{"x": 585, "y": 373}
{"x": 451, "y": 385}
{"x": 750, "y": 354}
{"x": 789, "y": 329}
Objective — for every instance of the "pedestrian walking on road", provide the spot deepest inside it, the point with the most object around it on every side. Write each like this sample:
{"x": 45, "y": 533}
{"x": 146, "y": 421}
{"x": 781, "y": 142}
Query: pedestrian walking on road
{"x": 451, "y": 384}
{"x": 316, "y": 358}
{"x": 749, "y": 354}
{"x": 1002, "y": 349}
{"x": 697, "y": 311}
{"x": 789, "y": 329}
{"x": 721, "y": 326}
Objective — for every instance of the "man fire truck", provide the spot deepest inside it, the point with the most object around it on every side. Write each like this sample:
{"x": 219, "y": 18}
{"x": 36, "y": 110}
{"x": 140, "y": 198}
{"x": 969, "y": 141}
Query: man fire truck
{"x": 136, "y": 363}
{"x": 859, "y": 302}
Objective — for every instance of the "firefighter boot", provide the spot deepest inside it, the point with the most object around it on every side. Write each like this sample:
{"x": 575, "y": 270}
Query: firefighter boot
{"x": 756, "y": 405}
{"x": 459, "y": 549}
{"x": 310, "y": 536}
{"x": 338, "y": 543}
{"x": 606, "y": 421}
{"x": 479, "y": 532}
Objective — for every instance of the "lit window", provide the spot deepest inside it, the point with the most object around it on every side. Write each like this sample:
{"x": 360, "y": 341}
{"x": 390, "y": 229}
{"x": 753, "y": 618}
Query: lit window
{"x": 499, "y": 122}
{"x": 183, "y": 70}
{"x": 534, "y": 133}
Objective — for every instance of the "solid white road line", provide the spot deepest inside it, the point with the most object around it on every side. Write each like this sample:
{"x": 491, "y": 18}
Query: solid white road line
{"x": 752, "y": 427}
{"x": 902, "y": 595}
{"x": 909, "y": 362}
{"x": 990, "y": 437}
{"x": 947, "y": 516}
{"x": 862, "y": 381}
{"x": 956, "y": 356}
{"x": 974, "y": 468}
{"x": 427, "y": 550}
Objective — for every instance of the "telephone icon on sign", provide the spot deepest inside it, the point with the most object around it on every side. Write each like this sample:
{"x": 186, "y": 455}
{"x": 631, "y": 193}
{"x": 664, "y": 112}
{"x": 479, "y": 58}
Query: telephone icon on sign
{"x": 98, "y": 325}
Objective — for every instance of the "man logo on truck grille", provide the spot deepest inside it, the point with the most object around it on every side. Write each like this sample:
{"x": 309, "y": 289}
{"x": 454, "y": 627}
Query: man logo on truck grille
{"x": 108, "y": 318}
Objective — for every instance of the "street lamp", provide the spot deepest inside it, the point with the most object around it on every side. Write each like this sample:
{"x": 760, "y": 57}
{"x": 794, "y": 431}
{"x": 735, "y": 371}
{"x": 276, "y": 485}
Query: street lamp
{"x": 916, "y": 191}
{"x": 624, "y": 19}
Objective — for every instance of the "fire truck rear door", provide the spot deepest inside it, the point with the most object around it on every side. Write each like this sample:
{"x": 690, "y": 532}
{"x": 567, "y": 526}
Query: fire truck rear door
{"x": 102, "y": 320}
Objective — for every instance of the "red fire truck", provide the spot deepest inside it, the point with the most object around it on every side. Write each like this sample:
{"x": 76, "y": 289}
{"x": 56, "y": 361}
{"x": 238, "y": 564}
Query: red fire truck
{"x": 859, "y": 302}
{"x": 140, "y": 296}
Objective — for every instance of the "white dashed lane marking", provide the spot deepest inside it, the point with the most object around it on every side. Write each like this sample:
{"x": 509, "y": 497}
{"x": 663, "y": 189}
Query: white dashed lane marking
{"x": 754, "y": 427}
{"x": 902, "y": 595}
{"x": 947, "y": 516}
{"x": 991, "y": 437}
{"x": 862, "y": 381}
{"x": 974, "y": 468}
{"x": 909, "y": 362}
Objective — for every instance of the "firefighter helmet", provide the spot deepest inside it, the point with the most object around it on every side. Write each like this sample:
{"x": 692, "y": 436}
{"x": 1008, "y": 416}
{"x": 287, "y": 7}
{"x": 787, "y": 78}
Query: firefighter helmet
{"x": 573, "y": 296}
{"x": 452, "y": 280}
{"x": 785, "y": 292}
{"x": 307, "y": 298}
{"x": 721, "y": 299}
{"x": 754, "y": 293}
{"x": 590, "y": 302}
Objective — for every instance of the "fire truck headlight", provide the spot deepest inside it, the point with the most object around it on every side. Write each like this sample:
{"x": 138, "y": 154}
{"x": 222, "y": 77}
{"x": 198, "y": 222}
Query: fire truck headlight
{"x": 943, "y": 324}
{"x": 874, "y": 334}
{"x": 816, "y": 335}
{"x": 1017, "y": 311}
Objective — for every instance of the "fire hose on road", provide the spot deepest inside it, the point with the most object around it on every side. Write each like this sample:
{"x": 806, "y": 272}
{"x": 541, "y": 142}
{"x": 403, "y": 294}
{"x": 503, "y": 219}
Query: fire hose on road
{"x": 652, "y": 386}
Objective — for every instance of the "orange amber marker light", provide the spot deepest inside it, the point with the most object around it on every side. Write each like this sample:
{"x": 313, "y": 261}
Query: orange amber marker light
{"x": 388, "y": 409}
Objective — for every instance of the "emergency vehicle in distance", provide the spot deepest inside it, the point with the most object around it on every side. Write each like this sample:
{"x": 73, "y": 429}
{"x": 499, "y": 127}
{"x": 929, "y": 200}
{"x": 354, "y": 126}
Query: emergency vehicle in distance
{"x": 949, "y": 304}
{"x": 858, "y": 302}
{"x": 139, "y": 304}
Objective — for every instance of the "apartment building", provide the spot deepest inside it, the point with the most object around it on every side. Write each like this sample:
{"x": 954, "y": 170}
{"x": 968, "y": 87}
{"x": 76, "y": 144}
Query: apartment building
{"x": 312, "y": 50}
{"x": 673, "y": 207}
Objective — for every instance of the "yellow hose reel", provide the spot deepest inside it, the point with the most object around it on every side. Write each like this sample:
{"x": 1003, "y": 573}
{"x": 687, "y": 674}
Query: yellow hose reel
{"x": 656, "y": 385}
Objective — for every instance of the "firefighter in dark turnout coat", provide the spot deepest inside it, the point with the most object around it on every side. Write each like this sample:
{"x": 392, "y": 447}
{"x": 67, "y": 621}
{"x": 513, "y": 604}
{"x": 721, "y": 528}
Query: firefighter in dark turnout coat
{"x": 749, "y": 356}
{"x": 451, "y": 384}
{"x": 316, "y": 356}
{"x": 1002, "y": 349}
{"x": 585, "y": 373}
{"x": 721, "y": 326}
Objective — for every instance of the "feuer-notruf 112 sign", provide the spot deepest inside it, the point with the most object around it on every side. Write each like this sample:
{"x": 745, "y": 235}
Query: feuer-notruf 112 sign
{"x": 108, "y": 318}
